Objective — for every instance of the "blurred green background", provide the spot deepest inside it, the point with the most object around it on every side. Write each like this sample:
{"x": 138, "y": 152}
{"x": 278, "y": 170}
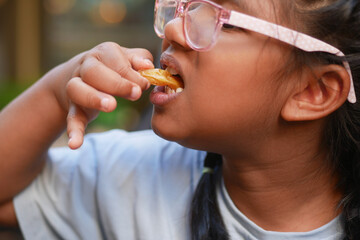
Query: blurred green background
{"x": 37, "y": 35}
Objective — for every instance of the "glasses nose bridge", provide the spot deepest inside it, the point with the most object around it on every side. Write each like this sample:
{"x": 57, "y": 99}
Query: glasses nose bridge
{"x": 180, "y": 9}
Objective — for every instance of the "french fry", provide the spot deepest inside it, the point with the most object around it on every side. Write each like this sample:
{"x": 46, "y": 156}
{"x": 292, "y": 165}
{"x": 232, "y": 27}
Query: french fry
{"x": 162, "y": 77}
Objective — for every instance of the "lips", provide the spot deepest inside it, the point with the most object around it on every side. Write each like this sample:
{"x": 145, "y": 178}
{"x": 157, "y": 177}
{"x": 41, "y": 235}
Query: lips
{"x": 173, "y": 72}
{"x": 162, "y": 95}
{"x": 169, "y": 63}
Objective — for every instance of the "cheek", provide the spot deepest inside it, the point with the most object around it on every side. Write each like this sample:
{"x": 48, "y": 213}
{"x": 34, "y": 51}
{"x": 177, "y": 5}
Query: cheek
{"x": 243, "y": 87}
{"x": 228, "y": 95}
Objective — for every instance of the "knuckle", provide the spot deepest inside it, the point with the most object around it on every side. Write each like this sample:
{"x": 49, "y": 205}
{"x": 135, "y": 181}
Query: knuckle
{"x": 143, "y": 52}
{"x": 70, "y": 117}
{"x": 70, "y": 86}
{"x": 119, "y": 86}
{"x": 81, "y": 128}
{"x": 122, "y": 88}
{"x": 92, "y": 100}
{"x": 76, "y": 121}
{"x": 106, "y": 46}
{"x": 146, "y": 53}
{"x": 124, "y": 70}
{"x": 88, "y": 69}
{"x": 86, "y": 56}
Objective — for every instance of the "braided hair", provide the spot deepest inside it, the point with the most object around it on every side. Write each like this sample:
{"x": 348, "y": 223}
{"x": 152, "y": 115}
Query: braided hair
{"x": 206, "y": 221}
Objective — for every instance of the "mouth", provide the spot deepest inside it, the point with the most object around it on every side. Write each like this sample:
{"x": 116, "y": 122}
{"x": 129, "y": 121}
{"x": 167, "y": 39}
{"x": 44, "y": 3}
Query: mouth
{"x": 162, "y": 95}
{"x": 176, "y": 75}
{"x": 171, "y": 65}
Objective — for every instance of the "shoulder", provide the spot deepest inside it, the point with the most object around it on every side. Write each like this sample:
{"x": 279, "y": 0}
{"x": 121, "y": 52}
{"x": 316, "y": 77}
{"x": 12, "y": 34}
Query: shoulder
{"x": 119, "y": 151}
{"x": 145, "y": 147}
{"x": 120, "y": 180}
{"x": 147, "y": 178}
{"x": 143, "y": 153}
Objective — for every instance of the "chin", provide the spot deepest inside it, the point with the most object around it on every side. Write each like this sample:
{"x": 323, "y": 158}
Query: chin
{"x": 174, "y": 130}
{"x": 165, "y": 131}
{"x": 169, "y": 129}
{"x": 178, "y": 135}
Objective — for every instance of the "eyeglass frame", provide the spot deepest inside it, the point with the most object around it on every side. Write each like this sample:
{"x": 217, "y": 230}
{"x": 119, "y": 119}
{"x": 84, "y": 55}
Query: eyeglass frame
{"x": 241, "y": 20}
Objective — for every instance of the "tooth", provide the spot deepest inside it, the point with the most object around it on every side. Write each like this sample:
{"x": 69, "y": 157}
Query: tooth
{"x": 172, "y": 91}
{"x": 167, "y": 90}
{"x": 179, "y": 90}
{"x": 171, "y": 71}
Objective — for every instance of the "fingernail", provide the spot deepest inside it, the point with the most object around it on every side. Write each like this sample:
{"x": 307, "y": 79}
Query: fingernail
{"x": 148, "y": 84}
{"x": 145, "y": 62}
{"x": 71, "y": 135}
{"x": 135, "y": 92}
{"x": 148, "y": 62}
{"x": 105, "y": 103}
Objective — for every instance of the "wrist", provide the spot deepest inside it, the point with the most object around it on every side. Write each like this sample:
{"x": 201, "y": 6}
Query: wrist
{"x": 55, "y": 81}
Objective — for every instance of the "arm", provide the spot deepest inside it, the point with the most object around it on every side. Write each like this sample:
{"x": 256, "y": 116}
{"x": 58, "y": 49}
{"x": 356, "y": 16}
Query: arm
{"x": 69, "y": 96}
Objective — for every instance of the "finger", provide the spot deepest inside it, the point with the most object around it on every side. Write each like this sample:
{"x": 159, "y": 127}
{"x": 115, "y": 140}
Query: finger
{"x": 110, "y": 53}
{"x": 136, "y": 77}
{"x": 139, "y": 58}
{"x": 119, "y": 60}
{"x": 104, "y": 79}
{"x": 86, "y": 96}
{"x": 76, "y": 124}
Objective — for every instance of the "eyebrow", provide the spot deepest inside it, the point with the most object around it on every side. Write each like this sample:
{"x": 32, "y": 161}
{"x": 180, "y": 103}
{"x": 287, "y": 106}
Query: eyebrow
{"x": 239, "y": 4}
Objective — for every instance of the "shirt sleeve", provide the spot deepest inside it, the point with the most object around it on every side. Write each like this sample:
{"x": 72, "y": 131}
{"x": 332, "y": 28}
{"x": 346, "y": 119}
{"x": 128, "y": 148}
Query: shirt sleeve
{"x": 61, "y": 202}
{"x": 92, "y": 192}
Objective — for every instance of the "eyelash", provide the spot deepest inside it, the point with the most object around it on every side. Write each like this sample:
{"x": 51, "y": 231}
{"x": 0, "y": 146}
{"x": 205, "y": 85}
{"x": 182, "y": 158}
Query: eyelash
{"x": 228, "y": 27}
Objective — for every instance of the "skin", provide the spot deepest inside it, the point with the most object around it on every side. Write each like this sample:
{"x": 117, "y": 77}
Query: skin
{"x": 233, "y": 103}
{"x": 275, "y": 172}
{"x": 66, "y": 98}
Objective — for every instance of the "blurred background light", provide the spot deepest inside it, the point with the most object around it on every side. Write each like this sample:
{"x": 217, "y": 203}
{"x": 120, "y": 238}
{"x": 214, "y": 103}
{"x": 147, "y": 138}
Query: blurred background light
{"x": 2, "y": 2}
{"x": 112, "y": 11}
{"x": 58, "y": 7}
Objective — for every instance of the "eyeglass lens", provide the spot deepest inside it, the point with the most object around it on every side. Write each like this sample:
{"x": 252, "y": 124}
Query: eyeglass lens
{"x": 200, "y": 24}
{"x": 164, "y": 13}
{"x": 200, "y": 21}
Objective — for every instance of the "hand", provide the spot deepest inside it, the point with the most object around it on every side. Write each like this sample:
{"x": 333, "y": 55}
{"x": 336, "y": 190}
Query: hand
{"x": 105, "y": 71}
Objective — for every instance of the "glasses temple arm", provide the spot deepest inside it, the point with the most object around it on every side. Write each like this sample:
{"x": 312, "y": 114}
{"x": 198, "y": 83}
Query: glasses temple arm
{"x": 291, "y": 37}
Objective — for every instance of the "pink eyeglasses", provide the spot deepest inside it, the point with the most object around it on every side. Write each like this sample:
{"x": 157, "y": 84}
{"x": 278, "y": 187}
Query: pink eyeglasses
{"x": 204, "y": 19}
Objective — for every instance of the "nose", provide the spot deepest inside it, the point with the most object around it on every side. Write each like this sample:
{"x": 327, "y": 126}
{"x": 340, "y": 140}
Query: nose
{"x": 174, "y": 35}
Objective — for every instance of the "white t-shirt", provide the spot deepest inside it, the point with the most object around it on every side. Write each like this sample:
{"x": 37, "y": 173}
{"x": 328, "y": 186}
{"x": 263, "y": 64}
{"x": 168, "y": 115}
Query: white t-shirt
{"x": 132, "y": 186}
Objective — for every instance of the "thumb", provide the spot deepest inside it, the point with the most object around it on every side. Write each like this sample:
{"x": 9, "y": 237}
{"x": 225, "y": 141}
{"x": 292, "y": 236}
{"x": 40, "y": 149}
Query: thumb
{"x": 139, "y": 58}
{"x": 139, "y": 63}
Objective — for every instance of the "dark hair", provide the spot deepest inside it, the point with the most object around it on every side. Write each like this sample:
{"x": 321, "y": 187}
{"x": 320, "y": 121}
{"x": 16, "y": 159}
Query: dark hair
{"x": 206, "y": 221}
{"x": 336, "y": 22}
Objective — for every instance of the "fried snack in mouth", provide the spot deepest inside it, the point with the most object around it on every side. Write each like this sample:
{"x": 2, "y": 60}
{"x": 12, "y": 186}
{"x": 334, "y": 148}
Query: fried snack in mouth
{"x": 162, "y": 77}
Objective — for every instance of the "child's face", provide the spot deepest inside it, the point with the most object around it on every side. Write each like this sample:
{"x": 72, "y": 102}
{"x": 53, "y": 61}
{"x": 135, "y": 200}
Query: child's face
{"x": 231, "y": 93}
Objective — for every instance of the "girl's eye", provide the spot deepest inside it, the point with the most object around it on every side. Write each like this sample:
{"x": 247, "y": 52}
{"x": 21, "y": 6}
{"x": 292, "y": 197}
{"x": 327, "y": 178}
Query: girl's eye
{"x": 227, "y": 27}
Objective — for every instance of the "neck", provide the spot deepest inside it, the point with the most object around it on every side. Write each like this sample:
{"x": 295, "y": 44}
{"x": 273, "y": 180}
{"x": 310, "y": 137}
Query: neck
{"x": 290, "y": 192}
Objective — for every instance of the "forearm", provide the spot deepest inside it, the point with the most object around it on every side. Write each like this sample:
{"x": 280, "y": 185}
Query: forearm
{"x": 69, "y": 96}
{"x": 28, "y": 126}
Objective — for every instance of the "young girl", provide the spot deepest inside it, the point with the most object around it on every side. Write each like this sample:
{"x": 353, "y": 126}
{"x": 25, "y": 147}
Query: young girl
{"x": 276, "y": 106}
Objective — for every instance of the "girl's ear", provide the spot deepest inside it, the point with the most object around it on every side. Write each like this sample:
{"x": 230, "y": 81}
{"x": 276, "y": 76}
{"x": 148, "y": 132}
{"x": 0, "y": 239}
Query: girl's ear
{"x": 319, "y": 94}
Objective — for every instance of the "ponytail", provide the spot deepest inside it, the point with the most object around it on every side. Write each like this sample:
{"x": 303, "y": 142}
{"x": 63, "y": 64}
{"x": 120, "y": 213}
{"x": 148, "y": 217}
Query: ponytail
{"x": 206, "y": 221}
